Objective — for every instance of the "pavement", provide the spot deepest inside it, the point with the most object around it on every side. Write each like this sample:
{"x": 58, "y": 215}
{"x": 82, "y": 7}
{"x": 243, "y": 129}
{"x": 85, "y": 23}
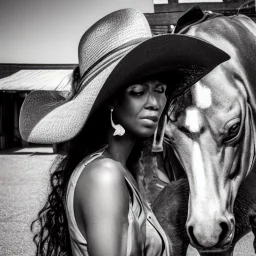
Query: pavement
{"x": 24, "y": 177}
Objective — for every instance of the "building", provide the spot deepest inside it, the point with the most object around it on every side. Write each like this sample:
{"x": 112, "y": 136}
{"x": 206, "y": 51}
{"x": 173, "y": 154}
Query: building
{"x": 16, "y": 81}
{"x": 167, "y": 12}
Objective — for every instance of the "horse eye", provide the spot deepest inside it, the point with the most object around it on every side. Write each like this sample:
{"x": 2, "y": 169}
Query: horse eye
{"x": 233, "y": 131}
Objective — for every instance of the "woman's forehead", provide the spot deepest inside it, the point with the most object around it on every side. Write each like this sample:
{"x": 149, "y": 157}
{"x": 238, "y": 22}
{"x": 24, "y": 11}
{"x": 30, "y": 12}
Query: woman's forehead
{"x": 147, "y": 82}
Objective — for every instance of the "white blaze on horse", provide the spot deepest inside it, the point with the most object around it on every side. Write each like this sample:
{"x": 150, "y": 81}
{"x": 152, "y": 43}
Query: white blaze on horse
{"x": 213, "y": 133}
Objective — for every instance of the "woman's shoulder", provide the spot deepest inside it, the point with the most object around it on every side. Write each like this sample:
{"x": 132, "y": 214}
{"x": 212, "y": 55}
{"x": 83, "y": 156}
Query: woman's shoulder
{"x": 102, "y": 167}
{"x": 102, "y": 186}
{"x": 101, "y": 173}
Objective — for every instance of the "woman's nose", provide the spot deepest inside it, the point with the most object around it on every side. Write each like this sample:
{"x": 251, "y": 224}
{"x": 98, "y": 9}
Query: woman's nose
{"x": 152, "y": 102}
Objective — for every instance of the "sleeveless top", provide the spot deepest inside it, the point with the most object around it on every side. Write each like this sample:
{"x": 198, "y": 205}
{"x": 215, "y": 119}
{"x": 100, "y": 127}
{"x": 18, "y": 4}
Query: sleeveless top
{"x": 145, "y": 235}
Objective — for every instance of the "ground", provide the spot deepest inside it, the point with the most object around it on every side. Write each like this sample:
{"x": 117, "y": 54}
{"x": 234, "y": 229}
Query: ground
{"x": 24, "y": 176}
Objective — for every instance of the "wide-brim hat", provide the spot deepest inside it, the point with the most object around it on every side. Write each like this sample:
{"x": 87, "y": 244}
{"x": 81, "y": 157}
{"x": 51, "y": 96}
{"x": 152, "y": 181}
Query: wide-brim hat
{"x": 113, "y": 53}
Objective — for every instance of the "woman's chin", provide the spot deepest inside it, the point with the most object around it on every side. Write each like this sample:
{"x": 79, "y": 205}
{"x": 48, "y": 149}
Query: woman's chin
{"x": 146, "y": 132}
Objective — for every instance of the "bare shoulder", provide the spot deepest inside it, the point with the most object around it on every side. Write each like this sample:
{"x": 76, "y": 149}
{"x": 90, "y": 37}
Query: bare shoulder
{"x": 102, "y": 170}
{"x": 101, "y": 174}
{"x": 101, "y": 197}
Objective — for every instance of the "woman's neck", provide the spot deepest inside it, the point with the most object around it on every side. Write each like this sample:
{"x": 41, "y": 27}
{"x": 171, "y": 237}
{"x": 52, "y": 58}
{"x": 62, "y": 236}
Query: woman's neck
{"x": 120, "y": 147}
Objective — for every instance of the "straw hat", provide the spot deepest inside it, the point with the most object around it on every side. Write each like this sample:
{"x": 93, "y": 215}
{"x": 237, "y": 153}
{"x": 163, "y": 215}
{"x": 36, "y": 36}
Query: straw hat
{"x": 115, "y": 51}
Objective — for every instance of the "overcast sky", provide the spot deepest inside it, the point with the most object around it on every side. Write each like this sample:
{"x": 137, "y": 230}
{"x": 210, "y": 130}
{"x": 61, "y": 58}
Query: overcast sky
{"x": 48, "y": 31}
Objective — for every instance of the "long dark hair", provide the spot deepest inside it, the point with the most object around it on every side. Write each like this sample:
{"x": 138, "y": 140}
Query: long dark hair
{"x": 50, "y": 229}
{"x": 51, "y": 234}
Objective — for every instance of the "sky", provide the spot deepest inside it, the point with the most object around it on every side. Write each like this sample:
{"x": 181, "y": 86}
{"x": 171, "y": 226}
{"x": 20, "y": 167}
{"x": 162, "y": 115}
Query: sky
{"x": 48, "y": 31}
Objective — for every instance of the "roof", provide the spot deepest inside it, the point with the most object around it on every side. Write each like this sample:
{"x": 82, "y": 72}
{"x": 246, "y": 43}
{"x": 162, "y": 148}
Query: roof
{"x": 39, "y": 79}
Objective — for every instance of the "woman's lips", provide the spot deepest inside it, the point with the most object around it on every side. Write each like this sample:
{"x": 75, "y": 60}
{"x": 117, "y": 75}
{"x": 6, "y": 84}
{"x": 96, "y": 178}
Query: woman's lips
{"x": 152, "y": 118}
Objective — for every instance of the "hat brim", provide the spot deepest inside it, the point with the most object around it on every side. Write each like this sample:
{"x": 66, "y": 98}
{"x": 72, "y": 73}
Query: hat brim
{"x": 164, "y": 53}
{"x": 47, "y": 118}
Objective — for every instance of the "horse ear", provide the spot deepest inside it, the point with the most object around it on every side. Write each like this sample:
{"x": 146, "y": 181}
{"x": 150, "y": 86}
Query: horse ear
{"x": 159, "y": 135}
{"x": 192, "y": 16}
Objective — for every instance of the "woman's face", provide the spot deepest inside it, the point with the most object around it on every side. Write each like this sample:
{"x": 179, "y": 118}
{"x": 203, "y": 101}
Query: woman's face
{"x": 139, "y": 107}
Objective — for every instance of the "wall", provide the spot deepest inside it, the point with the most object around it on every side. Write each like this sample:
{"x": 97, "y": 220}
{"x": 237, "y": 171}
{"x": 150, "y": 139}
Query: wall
{"x": 48, "y": 31}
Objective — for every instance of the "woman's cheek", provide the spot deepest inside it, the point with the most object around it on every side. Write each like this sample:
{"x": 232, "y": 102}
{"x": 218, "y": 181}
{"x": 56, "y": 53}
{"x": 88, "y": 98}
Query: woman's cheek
{"x": 163, "y": 102}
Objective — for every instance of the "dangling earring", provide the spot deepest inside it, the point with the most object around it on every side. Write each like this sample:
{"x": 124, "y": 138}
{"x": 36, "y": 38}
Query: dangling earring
{"x": 119, "y": 129}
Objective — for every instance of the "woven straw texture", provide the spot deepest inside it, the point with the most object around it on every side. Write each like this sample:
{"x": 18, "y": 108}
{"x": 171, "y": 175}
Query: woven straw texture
{"x": 51, "y": 119}
{"x": 110, "y": 32}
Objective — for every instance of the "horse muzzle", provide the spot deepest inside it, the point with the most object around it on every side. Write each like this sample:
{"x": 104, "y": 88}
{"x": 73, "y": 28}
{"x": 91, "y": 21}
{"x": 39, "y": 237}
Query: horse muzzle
{"x": 218, "y": 248}
{"x": 209, "y": 235}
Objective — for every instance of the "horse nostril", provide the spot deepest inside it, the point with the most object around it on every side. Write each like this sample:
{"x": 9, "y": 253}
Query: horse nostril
{"x": 192, "y": 236}
{"x": 224, "y": 233}
{"x": 219, "y": 238}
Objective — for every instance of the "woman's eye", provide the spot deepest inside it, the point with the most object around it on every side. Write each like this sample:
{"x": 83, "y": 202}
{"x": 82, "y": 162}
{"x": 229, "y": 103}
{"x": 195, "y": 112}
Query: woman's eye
{"x": 233, "y": 131}
{"x": 137, "y": 93}
{"x": 160, "y": 89}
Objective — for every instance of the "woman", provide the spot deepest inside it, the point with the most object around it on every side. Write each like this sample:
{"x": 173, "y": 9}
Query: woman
{"x": 124, "y": 79}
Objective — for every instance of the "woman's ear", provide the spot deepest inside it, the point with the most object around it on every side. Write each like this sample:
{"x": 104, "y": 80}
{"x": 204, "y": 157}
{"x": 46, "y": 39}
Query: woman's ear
{"x": 109, "y": 105}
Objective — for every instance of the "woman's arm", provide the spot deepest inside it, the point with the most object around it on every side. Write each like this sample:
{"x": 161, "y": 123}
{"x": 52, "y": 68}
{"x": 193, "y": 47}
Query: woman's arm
{"x": 101, "y": 208}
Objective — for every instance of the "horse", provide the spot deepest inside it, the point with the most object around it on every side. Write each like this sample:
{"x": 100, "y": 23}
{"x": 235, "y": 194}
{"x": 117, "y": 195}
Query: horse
{"x": 211, "y": 134}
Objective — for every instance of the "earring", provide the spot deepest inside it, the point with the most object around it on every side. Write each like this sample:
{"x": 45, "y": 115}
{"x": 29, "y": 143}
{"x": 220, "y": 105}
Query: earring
{"x": 119, "y": 129}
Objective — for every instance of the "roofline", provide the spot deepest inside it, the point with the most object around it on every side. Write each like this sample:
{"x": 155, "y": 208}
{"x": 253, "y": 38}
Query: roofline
{"x": 7, "y": 69}
{"x": 37, "y": 66}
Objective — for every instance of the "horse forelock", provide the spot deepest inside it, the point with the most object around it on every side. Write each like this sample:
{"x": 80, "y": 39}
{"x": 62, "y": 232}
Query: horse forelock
{"x": 180, "y": 104}
{"x": 196, "y": 98}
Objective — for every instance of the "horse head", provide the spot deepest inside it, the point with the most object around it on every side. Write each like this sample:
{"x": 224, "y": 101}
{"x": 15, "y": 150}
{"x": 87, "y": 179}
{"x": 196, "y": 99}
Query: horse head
{"x": 211, "y": 129}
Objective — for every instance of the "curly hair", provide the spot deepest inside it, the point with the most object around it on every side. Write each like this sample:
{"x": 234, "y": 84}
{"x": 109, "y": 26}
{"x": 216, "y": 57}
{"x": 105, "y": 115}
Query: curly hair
{"x": 50, "y": 228}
